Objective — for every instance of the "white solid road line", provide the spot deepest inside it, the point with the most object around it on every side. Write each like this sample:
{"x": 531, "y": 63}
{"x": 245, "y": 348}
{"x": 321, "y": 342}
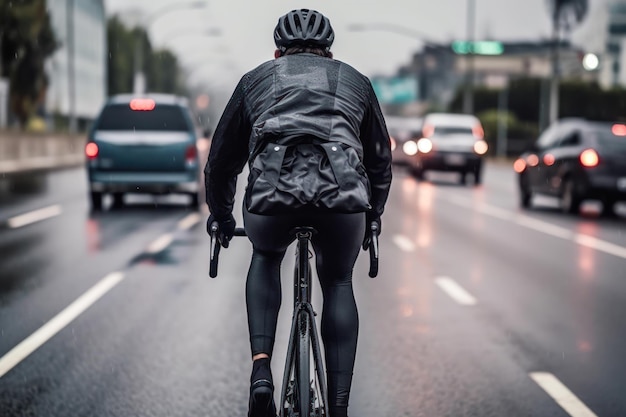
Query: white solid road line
{"x": 543, "y": 227}
{"x": 34, "y": 216}
{"x": 160, "y": 244}
{"x": 404, "y": 243}
{"x": 189, "y": 221}
{"x": 562, "y": 395}
{"x": 601, "y": 245}
{"x": 61, "y": 320}
{"x": 455, "y": 291}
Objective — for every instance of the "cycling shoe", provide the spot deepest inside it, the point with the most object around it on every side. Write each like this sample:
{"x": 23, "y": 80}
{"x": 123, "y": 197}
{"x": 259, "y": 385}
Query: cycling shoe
{"x": 262, "y": 399}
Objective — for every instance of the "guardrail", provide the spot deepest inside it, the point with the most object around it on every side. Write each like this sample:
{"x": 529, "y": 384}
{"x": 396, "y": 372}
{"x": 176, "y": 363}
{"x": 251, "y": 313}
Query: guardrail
{"x": 26, "y": 152}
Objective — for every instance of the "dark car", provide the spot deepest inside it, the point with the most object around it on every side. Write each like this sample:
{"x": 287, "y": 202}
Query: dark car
{"x": 404, "y": 133}
{"x": 575, "y": 160}
{"x": 142, "y": 145}
{"x": 451, "y": 142}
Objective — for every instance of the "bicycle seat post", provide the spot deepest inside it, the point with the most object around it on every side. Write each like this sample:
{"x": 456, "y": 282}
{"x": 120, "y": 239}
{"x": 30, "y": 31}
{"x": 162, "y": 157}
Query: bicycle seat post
{"x": 302, "y": 276}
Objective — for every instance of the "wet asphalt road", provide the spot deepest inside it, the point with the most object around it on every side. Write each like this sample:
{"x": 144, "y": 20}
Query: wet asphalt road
{"x": 480, "y": 309}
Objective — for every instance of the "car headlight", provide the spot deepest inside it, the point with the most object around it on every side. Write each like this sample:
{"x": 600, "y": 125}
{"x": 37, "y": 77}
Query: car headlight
{"x": 393, "y": 143}
{"x": 481, "y": 147}
{"x": 409, "y": 147}
{"x": 424, "y": 145}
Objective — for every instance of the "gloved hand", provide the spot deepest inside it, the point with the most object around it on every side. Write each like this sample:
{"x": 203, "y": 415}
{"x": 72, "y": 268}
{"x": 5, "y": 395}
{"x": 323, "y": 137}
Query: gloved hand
{"x": 368, "y": 230}
{"x": 226, "y": 229}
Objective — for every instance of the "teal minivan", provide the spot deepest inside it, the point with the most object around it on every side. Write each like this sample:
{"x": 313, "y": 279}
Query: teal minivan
{"x": 142, "y": 145}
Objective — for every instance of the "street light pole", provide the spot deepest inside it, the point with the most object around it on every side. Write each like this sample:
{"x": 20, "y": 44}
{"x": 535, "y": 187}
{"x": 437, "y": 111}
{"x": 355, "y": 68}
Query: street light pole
{"x": 468, "y": 96}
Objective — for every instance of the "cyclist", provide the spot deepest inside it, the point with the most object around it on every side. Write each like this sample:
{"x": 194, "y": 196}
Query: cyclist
{"x": 301, "y": 96}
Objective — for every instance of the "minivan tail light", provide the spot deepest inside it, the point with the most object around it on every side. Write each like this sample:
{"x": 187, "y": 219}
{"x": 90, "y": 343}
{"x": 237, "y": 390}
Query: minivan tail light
{"x": 191, "y": 153}
{"x": 91, "y": 150}
{"x": 589, "y": 158}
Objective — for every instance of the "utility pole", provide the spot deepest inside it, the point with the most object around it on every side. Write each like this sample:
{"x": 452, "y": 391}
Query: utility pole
{"x": 553, "y": 114}
{"x": 468, "y": 96}
{"x": 71, "y": 74}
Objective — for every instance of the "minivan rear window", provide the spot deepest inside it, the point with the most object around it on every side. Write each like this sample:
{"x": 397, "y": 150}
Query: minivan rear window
{"x": 163, "y": 117}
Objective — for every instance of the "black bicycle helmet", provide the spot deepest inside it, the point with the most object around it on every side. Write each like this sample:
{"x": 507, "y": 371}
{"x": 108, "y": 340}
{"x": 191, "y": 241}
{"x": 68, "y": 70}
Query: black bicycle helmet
{"x": 303, "y": 27}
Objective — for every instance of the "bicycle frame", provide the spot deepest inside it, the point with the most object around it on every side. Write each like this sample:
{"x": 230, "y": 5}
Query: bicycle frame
{"x": 296, "y": 388}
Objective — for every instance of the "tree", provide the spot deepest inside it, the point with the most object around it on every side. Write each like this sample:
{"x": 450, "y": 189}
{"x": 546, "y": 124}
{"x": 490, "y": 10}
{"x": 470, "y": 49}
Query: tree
{"x": 26, "y": 41}
{"x": 120, "y": 59}
{"x": 161, "y": 66}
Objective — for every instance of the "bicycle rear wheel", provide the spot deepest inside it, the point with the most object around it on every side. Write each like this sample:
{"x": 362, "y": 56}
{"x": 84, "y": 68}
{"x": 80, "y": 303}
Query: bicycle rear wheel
{"x": 303, "y": 371}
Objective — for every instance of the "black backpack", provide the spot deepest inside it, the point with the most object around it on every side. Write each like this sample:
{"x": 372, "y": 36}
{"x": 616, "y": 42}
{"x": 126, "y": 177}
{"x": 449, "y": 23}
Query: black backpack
{"x": 309, "y": 175}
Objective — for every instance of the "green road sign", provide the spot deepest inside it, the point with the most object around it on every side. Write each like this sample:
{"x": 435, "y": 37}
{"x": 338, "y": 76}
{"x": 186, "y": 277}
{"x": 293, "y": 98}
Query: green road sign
{"x": 478, "y": 47}
{"x": 395, "y": 90}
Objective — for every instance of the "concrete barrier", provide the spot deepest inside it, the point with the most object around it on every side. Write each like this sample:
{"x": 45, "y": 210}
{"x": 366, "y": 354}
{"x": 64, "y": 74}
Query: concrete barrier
{"x": 27, "y": 152}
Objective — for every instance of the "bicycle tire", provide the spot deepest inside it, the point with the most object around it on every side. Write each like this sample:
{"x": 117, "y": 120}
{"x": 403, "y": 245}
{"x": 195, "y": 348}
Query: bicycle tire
{"x": 303, "y": 373}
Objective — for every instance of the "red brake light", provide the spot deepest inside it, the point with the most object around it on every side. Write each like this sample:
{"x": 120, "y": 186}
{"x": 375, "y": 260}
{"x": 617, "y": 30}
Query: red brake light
{"x": 549, "y": 159}
{"x": 91, "y": 150}
{"x": 619, "y": 130}
{"x": 142, "y": 104}
{"x": 519, "y": 165}
{"x": 191, "y": 153}
{"x": 532, "y": 160}
{"x": 589, "y": 158}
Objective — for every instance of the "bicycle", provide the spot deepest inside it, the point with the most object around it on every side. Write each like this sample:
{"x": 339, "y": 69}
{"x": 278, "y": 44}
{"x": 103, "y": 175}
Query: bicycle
{"x": 301, "y": 396}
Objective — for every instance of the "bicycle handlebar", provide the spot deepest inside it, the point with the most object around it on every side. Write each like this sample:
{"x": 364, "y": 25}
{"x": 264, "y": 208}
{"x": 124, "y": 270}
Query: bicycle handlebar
{"x": 373, "y": 250}
{"x": 215, "y": 247}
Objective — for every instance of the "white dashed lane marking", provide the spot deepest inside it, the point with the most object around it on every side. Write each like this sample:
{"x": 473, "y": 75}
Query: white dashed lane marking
{"x": 455, "y": 291}
{"x": 34, "y": 216}
{"x": 404, "y": 243}
{"x": 61, "y": 320}
{"x": 160, "y": 244}
{"x": 562, "y": 395}
{"x": 189, "y": 221}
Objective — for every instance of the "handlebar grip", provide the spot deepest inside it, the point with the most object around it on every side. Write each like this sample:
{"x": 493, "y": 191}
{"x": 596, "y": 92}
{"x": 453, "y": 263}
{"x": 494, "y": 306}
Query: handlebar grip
{"x": 215, "y": 247}
{"x": 373, "y": 250}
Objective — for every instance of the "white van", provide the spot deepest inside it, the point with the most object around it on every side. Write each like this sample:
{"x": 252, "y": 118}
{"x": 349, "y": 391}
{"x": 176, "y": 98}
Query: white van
{"x": 451, "y": 142}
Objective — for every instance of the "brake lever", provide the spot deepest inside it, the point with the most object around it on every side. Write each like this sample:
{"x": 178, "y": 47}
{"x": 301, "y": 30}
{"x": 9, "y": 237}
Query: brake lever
{"x": 373, "y": 249}
{"x": 215, "y": 247}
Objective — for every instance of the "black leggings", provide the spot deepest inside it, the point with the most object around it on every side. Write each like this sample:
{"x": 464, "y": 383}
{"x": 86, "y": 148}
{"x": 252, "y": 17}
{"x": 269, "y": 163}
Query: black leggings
{"x": 336, "y": 246}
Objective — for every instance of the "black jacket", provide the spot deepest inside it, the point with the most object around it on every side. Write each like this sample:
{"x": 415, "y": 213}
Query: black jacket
{"x": 295, "y": 96}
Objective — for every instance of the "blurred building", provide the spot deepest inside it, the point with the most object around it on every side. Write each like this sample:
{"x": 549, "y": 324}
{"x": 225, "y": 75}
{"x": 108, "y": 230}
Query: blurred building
{"x": 440, "y": 70}
{"x": 80, "y": 27}
{"x": 615, "y": 56}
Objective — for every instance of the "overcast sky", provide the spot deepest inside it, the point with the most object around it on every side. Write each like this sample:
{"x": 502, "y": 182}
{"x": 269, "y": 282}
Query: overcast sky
{"x": 247, "y": 26}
